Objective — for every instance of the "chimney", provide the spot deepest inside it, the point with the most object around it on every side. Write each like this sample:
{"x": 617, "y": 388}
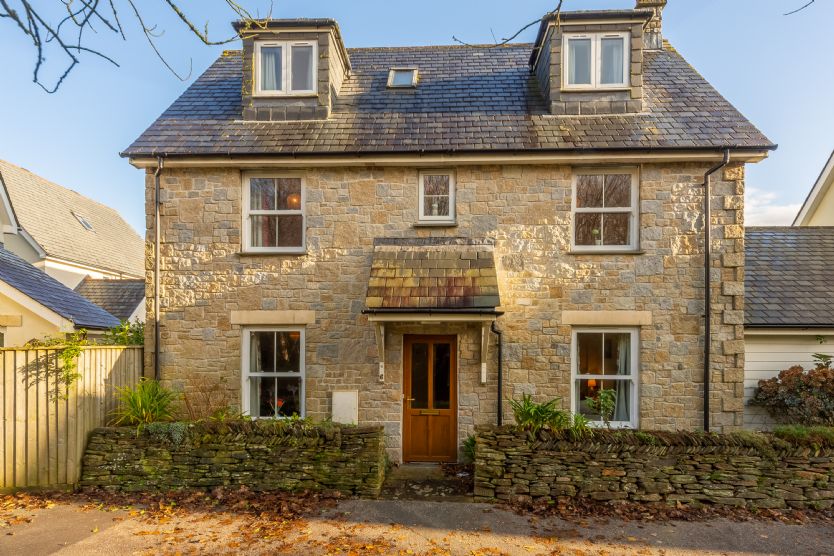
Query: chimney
{"x": 653, "y": 36}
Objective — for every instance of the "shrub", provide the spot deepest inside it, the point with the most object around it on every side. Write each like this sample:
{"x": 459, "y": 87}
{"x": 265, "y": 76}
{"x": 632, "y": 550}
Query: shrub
{"x": 533, "y": 417}
{"x": 469, "y": 448}
{"x": 126, "y": 334}
{"x": 798, "y": 396}
{"x": 147, "y": 402}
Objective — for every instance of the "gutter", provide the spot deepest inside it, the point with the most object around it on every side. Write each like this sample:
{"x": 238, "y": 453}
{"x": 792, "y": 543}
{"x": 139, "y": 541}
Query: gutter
{"x": 707, "y": 281}
{"x": 451, "y": 151}
{"x": 160, "y": 162}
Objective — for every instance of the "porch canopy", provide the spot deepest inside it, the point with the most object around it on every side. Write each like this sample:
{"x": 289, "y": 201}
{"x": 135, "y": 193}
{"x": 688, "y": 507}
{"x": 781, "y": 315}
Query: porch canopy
{"x": 432, "y": 280}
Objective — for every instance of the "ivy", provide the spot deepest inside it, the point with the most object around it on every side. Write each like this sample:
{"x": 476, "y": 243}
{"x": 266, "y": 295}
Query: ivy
{"x": 62, "y": 366}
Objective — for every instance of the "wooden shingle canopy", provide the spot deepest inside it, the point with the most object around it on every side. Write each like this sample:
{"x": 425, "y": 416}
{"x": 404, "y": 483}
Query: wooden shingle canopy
{"x": 432, "y": 280}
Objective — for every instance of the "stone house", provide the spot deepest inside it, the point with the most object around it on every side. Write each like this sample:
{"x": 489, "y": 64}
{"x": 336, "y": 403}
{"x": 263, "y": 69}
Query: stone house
{"x": 416, "y": 236}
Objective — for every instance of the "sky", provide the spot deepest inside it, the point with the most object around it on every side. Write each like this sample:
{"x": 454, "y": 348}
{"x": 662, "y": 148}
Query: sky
{"x": 775, "y": 69}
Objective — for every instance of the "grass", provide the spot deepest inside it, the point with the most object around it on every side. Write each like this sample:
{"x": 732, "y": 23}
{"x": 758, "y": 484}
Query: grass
{"x": 817, "y": 436}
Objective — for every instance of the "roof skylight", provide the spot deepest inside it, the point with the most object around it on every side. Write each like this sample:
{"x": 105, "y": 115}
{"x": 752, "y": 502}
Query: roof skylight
{"x": 83, "y": 221}
{"x": 402, "y": 77}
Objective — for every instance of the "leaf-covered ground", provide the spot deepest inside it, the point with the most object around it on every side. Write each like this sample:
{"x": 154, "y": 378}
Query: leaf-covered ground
{"x": 245, "y": 522}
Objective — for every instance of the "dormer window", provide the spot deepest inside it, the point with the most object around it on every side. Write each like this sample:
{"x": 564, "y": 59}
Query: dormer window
{"x": 402, "y": 78}
{"x": 285, "y": 68}
{"x": 596, "y": 60}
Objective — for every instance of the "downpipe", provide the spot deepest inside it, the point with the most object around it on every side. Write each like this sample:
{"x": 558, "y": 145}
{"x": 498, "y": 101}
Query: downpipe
{"x": 500, "y": 335}
{"x": 160, "y": 163}
{"x": 708, "y": 280}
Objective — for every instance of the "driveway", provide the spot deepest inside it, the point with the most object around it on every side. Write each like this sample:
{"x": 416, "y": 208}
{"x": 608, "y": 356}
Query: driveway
{"x": 401, "y": 527}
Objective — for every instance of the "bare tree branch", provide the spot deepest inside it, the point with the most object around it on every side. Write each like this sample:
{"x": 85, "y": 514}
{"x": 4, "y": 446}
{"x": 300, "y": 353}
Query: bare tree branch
{"x": 800, "y": 8}
{"x": 48, "y": 31}
{"x": 555, "y": 13}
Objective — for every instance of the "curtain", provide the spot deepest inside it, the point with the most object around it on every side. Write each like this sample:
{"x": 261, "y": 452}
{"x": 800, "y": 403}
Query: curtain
{"x": 622, "y": 411}
{"x": 612, "y": 61}
{"x": 271, "y": 68}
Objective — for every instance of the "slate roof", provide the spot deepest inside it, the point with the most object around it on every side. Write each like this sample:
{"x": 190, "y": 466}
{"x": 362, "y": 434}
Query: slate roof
{"x": 52, "y": 294}
{"x": 447, "y": 274}
{"x": 788, "y": 277}
{"x": 45, "y": 210}
{"x": 120, "y": 298}
{"x": 468, "y": 99}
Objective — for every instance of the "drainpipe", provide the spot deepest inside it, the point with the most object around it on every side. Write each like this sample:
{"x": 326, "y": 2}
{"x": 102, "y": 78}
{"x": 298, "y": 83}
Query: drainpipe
{"x": 500, "y": 372}
{"x": 707, "y": 280}
{"x": 157, "y": 203}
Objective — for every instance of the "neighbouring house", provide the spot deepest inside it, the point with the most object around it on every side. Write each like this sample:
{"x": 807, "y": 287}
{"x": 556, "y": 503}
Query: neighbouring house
{"x": 343, "y": 233}
{"x": 33, "y": 305}
{"x": 818, "y": 208}
{"x": 789, "y": 304}
{"x": 124, "y": 299}
{"x": 63, "y": 233}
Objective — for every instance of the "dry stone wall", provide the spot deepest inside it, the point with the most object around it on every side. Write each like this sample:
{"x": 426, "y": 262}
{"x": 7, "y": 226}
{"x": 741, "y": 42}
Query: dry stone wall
{"x": 744, "y": 470}
{"x": 259, "y": 455}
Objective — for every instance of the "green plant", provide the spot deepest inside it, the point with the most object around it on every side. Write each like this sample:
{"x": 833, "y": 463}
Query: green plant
{"x": 604, "y": 403}
{"x": 533, "y": 417}
{"x": 126, "y": 334}
{"x": 579, "y": 427}
{"x": 469, "y": 448}
{"x": 798, "y": 396}
{"x": 62, "y": 368}
{"x": 147, "y": 402}
{"x": 174, "y": 433}
{"x": 806, "y": 436}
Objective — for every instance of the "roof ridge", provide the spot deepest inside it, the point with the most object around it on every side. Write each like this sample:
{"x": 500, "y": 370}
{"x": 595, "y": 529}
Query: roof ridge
{"x": 50, "y": 182}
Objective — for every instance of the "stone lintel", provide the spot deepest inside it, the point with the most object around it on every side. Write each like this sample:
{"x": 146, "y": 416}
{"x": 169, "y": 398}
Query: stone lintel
{"x": 273, "y": 318}
{"x": 607, "y": 318}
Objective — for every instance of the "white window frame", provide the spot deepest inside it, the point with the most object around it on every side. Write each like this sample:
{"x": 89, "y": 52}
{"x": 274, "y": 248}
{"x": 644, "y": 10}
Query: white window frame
{"x": 414, "y": 77}
{"x": 633, "y": 210}
{"x": 246, "y": 372}
{"x": 286, "y": 69}
{"x": 634, "y": 377}
{"x": 452, "y": 217}
{"x": 596, "y": 61}
{"x": 246, "y": 236}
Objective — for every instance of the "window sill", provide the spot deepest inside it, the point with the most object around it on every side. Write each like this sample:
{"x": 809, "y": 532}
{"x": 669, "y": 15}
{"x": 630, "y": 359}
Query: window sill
{"x": 605, "y": 252}
{"x": 438, "y": 224}
{"x": 285, "y": 95}
{"x": 596, "y": 89}
{"x": 271, "y": 253}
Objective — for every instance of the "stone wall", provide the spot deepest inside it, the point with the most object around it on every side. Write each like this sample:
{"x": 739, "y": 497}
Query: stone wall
{"x": 749, "y": 470}
{"x": 262, "y": 455}
{"x": 526, "y": 210}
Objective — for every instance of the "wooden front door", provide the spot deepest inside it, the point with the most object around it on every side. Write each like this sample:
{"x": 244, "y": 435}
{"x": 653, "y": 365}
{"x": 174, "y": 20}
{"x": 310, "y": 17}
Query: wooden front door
{"x": 430, "y": 405}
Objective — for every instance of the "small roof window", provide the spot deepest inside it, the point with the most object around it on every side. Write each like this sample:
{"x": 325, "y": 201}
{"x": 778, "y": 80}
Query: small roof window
{"x": 83, "y": 221}
{"x": 402, "y": 78}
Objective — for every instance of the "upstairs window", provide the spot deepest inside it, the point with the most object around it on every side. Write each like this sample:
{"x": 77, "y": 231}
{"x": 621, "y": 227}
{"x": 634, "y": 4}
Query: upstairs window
{"x": 437, "y": 197}
{"x": 402, "y": 78}
{"x": 596, "y": 60}
{"x": 604, "y": 207}
{"x": 285, "y": 68}
{"x": 273, "y": 219}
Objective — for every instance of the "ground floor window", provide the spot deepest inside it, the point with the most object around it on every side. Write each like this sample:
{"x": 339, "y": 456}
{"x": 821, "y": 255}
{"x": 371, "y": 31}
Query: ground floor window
{"x": 605, "y": 366}
{"x": 273, "y": 372}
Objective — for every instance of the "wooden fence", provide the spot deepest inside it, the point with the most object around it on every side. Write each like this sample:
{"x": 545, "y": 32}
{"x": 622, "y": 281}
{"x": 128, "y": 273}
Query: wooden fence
{"x": 45, "y": 425}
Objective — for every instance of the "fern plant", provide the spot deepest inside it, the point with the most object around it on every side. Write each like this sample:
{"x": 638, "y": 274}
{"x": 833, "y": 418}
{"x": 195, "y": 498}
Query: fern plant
{"x": 469, "y": 448}
{"x": 147, "y": 402}
{"x": 533, "y": 417}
